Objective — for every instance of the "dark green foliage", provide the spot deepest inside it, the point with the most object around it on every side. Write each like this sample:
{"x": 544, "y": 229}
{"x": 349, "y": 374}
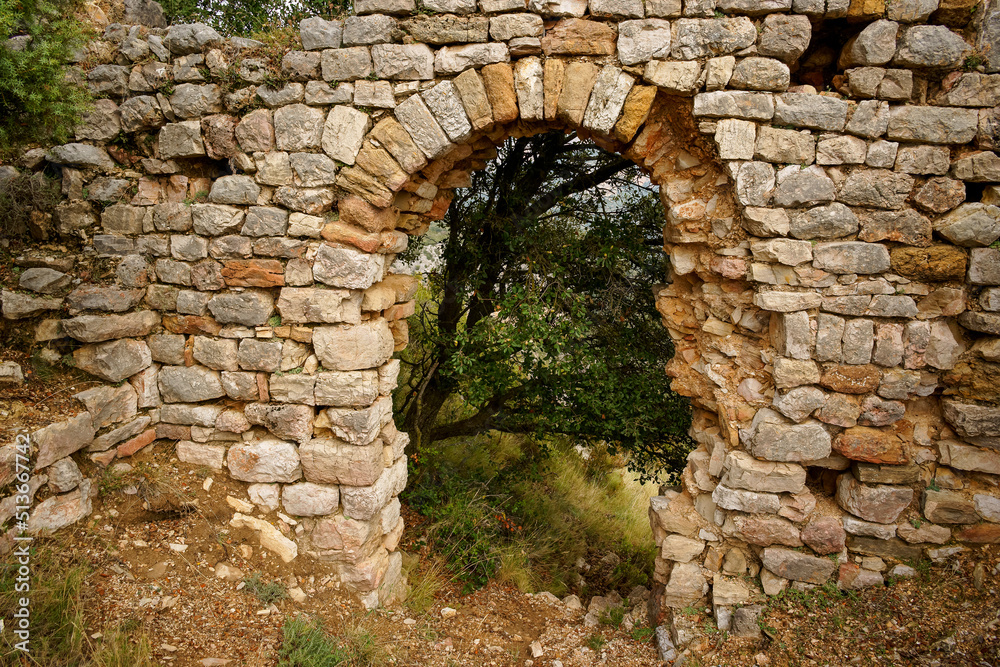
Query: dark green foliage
{"x": 248, "y": 17}
{"x": 265, "y": 591}
{"x": 38, "y": 103}
{"x": 19, "y": 196}
{"x": 542, "y": 319}
{"x": 305, "y": 644}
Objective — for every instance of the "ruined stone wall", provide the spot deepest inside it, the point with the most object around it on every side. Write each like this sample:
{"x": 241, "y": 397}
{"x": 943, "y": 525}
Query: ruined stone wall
{"x": 825, "y": 170}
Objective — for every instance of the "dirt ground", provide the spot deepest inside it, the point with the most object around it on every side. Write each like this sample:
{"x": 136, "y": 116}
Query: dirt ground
{"x": 154, "y": 567}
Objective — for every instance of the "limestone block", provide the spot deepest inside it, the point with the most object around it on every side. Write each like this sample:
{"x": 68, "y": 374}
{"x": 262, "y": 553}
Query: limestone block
{"x": 681, "y": 78}
{"x": 446, "y": 106}
{"x": 332, "y": 461}
{"x": 424, "y": 130}
{"x": 344, "y": 132}
{"x": 611, "y": 88}
{"x": 881, "y": 503}
{"x": 457, "y": 59}
{"x": 346, "y": 64}
{"x": 345, "y": 348}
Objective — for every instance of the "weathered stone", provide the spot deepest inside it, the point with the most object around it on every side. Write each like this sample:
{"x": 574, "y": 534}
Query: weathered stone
{"x": 179, "y": 384}
{"x": 933, "y": 125}
{"x": 832, "y": 221}
{"x": 642, "y": 41}
{"x": 851, "y": 379}
{"x": 403, "y": 62}
{"x": 745, "y": 501}
{"x": 62, "y": 510}
{"x": 785, "y": 146}
{"x": 249, "y": 307}
{"x": 580, "y": 37}
{"x": 345, "y": 348}
{"x": 785, "y": 37}
{"x": 61, "y": 439}
{"x": 681, "y": 549}
{"x": 679, "y": 78}
{"x": 318, "y": 33}
{"x": 347, "y": 389}
{"x": 113, "y": 361}
{"x": 346, "y": 64}
{"x": 970, "y": 225}
{"x": 698, "y": 38}
{"x": 948, "y": 507}
{"x": 446, "y": 106}
{"x": 288, "y": 422}
{"x": 457, "y": 59}
{"x": 764, "y": 531}
{"x": 760, "y": 74}
{"x": 869, "y": 444}
{"x": 803, "y": 187}
{"x": 743, "y": 105}
{"x": 851, "y": 257}
{"x": 771, "y": 438}
{"x": 811, "y": 111}
{"x": 269, "y": 536}
{"x": 876, "y": 188}
{"x": 298, "y": 128}
{"x": 424, "y": 130}
{"x": 924, "y": 533}
{"x": 309, "y": 499}
{"x": 931, "y": 46}
{"x": 797, "y": 566}
{"x": 824, "y": 535}
{"x": 906, "y": 226}
{"x": 686, "y": 586}
{"x": 936, "y": 263}
{"x": 882, "y": 503}
{"x": 99, "y": 328}
{"x": 332, "y": 461}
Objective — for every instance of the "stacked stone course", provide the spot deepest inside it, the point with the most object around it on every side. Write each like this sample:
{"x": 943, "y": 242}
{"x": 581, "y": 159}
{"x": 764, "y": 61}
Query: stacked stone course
{"x": 834, "y": 296}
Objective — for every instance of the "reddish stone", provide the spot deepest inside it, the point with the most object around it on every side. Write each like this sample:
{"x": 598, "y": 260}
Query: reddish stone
{"x": 852, "y": 379}
{"x": 984, "y": 533}
{"x": 219, "y": 134}
{"x": 400, "y": 334}
{"x": 253, "y": 273}
{"x": 871, "y": 445}
{"x": 262, "y": 390}
{"x": 356, "y": 211}
{"x": 824, "y": 535}
{"x": 150, "y": 191}
{"x": 766, "y": 531}
{"x": 176, "y": 188}
{"x": 400, "y": 311}
{"x": 733, "y": 268}
{"x": 173, "y": 432}
{"x": 579, "y": 37}
{"x": 138, "y": 442}
{"x": 851, "y": 577}
{"x": 441, "y": 204}
{"x": 191, "y": 324}
{"x": 103, "y": 459}
{"x": 339, "y": 232}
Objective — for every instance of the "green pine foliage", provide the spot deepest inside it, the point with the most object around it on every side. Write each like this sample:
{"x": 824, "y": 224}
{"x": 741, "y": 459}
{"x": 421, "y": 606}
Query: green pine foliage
{"x": 250, "y": 17}
{"x": 542, "y": 320}
{"x": 38, "y": 102}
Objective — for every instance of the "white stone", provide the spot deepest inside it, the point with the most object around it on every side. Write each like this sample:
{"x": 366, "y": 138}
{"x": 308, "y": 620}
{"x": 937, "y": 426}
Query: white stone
{"x": 344, "y": 133}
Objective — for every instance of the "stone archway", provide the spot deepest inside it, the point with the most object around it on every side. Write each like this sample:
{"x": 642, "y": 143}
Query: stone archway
{"x": 829, "y": 273}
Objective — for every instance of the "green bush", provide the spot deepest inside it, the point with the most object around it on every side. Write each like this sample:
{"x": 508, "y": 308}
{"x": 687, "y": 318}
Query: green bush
{"x": 250, "y": 16}
{"x": 38, "y": 102}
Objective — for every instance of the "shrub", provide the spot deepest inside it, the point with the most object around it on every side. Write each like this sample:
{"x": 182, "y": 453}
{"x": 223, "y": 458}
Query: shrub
{"x": 250, "y": 16}
{"x": 38, "y": 102}
{"x": 21, "y": 195}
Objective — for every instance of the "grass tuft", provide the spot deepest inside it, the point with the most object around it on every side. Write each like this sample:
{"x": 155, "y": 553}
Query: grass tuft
{"x": 306, "y": 644}
{"x": 267, "y": 592}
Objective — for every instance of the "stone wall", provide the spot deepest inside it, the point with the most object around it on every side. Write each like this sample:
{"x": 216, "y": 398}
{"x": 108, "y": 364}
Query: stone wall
{"x": 825, "y": 171}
